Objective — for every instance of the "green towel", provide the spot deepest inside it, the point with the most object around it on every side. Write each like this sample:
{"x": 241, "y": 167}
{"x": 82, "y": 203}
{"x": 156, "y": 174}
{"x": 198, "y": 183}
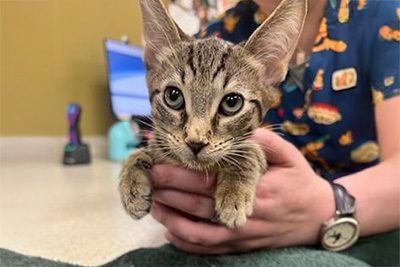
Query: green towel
{"x": 380, "y": 250}
{"x": 169, "y": 256}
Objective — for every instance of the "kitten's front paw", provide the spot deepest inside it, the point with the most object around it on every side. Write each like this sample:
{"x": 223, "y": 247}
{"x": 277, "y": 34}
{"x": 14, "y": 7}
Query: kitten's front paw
{"x": 136, "y": 200}
{"x": 135, "y": 186}
{"x": 233, "y": 210}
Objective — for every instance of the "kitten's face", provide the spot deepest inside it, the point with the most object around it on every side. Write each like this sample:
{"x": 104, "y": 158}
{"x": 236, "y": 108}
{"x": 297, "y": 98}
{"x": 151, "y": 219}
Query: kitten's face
{"x": 207, "y": 97}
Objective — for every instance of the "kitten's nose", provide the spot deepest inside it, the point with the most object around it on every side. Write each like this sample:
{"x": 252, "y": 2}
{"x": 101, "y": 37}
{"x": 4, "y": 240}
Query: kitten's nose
{"x": 196, "y": 147}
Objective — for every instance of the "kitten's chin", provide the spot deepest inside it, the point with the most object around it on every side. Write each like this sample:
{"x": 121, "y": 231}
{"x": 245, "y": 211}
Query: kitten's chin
{"x": 199, "y": 162}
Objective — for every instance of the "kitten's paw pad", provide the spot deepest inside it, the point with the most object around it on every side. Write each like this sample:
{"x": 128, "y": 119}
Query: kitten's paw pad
{"x": 233, "y": 212}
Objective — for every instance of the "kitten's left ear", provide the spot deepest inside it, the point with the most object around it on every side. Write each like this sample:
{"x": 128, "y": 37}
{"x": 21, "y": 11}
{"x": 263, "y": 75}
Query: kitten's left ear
{"x": 159, "y": 28}
{"x": 275, "y": 41}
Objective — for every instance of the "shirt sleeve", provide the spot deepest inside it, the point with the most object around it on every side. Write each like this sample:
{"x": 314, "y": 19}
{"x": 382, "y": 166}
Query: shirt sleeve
{"x": 236, "y": 24}
{"x": 385, "y": 58}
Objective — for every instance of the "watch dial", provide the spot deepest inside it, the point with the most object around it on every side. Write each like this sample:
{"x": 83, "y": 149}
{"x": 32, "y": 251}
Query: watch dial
{"x": 340, "y": 235}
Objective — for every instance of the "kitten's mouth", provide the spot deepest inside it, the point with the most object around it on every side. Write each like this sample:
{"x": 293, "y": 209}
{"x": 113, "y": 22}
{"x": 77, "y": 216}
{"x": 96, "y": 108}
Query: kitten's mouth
{"x": 197, "y": 160}
{"x": 199, "y": 165}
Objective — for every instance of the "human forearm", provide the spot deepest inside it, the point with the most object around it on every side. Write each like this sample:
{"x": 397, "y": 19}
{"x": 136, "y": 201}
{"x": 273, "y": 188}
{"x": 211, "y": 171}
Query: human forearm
{"x": 377, "y": 191}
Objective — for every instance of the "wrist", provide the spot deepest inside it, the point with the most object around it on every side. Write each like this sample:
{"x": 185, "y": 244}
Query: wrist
{"x": 322, "y": 209}
{"x": 327, "y": 207}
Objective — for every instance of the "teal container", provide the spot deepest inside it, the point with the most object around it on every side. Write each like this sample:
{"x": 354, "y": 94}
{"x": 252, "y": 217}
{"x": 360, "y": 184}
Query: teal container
{"x": 122, "y": 140}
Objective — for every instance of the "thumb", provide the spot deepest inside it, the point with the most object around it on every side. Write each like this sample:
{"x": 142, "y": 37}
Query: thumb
{"x": 277, "y": 150}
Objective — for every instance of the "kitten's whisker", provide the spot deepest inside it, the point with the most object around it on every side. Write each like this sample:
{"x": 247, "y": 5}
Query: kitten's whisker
{"x": 240, "y": 151}
{"x": 237, "y": 155}
{"x": 146, "y": 123}
{"x": 160, "y": 148}
{"x": 230, "y": 161}
{"x": 219, "y": 165}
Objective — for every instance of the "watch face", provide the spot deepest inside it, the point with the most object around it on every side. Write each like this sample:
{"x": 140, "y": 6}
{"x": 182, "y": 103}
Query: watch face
{"x": 340, "y": 234}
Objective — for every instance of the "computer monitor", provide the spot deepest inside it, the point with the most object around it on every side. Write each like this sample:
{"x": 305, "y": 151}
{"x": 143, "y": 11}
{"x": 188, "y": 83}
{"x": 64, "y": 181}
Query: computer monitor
{"x": 127, "y": 82}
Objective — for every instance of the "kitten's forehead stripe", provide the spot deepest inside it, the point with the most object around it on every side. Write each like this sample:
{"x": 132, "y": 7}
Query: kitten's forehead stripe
{"x": 221, "y": 64}
{"x": 183, "y": 75}
{"x": 190, "y": 60}
{"x": 200, "y": 57}
{"x": 226, "y": 80}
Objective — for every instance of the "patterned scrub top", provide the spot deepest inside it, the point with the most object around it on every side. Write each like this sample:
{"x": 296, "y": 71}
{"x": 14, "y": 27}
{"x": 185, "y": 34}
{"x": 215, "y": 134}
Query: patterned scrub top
{"x": 353, "y": 67}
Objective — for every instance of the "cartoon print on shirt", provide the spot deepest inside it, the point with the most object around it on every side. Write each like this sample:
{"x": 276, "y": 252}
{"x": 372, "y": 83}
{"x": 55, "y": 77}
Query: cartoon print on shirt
{"x": 344, "y": 79}
{"x": 346, "y": 138}
{"x": 299, "y": 112}
{"x": 323, "y": 113}
{"x": 323, "y": 42}
{"x": 318, "y": 83}
{"x": 361, "y": 4}
{"x": 377, "y": 96}
{"x": 389, "y": 34}
{"x": 388, "y": 81}
{"x": 230, "y": 23}
{"x": 295, "y": 128}
{"x": 365, "y": 153}
{"x": 310, "y": 151}
{"x": 343, "y": 14}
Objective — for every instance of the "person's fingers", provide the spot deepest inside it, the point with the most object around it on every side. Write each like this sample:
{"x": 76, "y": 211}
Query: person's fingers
{"x": 193, "y": 232}
{"x": 205, "y": 233}
{"x": 195, "y": 204}
{"x": 277, "y": 150}
{"x": 174, "y": 177}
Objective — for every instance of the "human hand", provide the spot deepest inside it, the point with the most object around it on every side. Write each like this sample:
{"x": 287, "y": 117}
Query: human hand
{"x": 290, "y": 205}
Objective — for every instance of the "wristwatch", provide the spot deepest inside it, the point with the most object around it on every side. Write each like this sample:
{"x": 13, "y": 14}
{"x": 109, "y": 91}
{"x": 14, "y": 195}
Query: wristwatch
{"x": 342, "y": 231}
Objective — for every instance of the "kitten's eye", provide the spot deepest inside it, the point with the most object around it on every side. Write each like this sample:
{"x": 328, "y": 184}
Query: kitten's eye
{"x": 231, "y": 104}
{"x": 174, "y": 98}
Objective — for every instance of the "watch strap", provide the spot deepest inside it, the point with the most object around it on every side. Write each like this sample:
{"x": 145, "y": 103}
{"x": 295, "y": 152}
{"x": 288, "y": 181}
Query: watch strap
{"x": 345, "y": 203}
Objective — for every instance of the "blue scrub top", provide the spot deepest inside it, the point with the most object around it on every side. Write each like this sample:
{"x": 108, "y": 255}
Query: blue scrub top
{"x": 353, "y": 67}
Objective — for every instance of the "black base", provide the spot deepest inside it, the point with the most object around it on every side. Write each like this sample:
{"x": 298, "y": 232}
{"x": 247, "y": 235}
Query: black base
{"x": 76, "y": 154}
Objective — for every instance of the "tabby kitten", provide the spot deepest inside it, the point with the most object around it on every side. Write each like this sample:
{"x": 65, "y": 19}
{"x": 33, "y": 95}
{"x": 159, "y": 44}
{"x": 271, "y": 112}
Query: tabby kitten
{"x": 207, "y": 97}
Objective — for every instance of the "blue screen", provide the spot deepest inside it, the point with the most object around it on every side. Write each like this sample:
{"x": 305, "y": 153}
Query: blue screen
{"x": 127, "y": 79}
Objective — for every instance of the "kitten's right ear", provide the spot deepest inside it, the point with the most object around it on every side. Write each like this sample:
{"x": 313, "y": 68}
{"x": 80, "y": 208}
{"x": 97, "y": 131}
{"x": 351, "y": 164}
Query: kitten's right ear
{"x": 274, "y": 42}
{"x": 159, "y": 28}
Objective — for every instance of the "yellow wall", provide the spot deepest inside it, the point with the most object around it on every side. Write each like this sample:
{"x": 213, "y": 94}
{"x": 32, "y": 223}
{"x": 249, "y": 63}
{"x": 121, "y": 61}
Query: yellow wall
{"x": 52, "y": 54}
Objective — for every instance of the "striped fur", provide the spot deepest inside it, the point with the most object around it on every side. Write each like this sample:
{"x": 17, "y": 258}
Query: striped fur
{"x": 206, "y": 71}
